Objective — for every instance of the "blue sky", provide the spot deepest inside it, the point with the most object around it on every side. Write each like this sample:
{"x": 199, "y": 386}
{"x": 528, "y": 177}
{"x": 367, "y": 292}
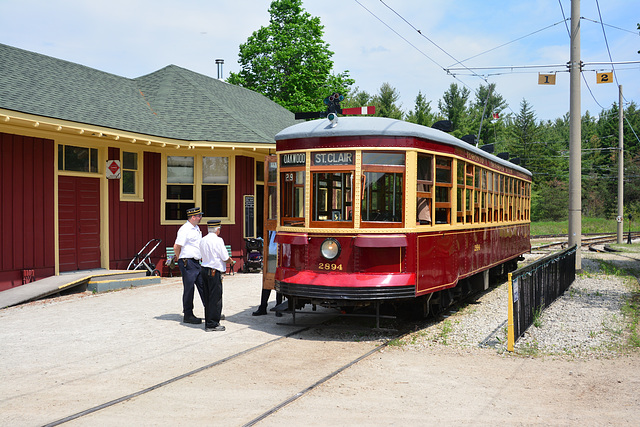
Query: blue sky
{"x": 136, "y": 37}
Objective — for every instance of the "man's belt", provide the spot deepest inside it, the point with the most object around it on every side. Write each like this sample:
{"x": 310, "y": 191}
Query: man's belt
{"x": 184, "y": 261}
{"x": 209, "y": 271}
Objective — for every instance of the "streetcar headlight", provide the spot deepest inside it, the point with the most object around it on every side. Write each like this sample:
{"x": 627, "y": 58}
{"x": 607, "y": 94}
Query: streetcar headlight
{"x": 330, "y": 249}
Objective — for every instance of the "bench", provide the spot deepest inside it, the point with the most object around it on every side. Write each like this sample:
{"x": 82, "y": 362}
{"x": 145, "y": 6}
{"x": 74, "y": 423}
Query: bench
{"x": 230, "y": 256}
{"x": 170, "y": 262}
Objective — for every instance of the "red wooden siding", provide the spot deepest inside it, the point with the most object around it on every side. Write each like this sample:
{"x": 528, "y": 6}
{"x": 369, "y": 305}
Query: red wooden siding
{"x": 133, "y": 224}
{"x": 26, "y": 215}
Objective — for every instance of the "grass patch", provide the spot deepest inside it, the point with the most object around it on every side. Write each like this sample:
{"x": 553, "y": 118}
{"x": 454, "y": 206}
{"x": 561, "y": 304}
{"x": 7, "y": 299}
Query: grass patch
{"x": 589, "y": 225}
{"x": 631, "y": 311}
{"x": 447, "y": 328}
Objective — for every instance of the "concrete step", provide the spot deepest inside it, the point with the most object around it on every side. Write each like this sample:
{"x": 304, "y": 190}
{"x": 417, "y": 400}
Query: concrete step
{"x": 98, "y": 280}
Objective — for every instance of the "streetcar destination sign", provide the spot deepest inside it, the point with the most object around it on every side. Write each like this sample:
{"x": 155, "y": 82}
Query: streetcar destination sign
{"x": 337, "y": 158}
{"x": 294, "y": 159}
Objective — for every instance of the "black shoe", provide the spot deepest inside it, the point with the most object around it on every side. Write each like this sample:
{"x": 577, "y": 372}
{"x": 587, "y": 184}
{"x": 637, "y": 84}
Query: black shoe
{"x": 218, "y": 328}
{"x": 192, "y": 319}
{"x": 278, "y": 314}
{"x": 259, "y": 313}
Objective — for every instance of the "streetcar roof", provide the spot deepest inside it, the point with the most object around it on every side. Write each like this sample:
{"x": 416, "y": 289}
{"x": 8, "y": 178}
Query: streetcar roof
{"x": 382, "y": 126}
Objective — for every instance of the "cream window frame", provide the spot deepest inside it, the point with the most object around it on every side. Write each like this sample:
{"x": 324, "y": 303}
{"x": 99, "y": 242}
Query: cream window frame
{"x": 197, "y": 187}
{"x": 137, "y": 196}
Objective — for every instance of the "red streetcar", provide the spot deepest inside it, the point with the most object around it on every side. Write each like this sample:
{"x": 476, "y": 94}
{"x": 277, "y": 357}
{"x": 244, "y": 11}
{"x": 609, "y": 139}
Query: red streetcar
{"x": 368, "y": 210}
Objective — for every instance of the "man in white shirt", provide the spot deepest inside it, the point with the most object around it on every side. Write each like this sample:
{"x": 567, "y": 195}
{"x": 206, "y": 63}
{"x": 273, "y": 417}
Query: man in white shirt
{"x": 214, "y": 263}
{"x": 187, "y": 252}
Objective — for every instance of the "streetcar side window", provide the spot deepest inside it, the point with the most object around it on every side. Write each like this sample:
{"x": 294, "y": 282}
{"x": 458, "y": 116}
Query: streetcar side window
{"x": 460, "y": 191}
{"x": 424, "y": 186}
{"x": 443, "y": 190}
{"x": 292, "y": 209}
{"x": 382, "y": 187}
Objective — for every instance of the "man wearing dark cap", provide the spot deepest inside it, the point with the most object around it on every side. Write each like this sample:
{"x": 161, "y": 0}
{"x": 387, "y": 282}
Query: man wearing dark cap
{"x": 214, "y": 260}
{"x": 187, "y": 252}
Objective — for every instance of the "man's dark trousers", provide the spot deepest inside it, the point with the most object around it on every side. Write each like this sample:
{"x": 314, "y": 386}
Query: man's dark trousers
{"x": 190, "y": 270}
{"x": 212, "y": 297}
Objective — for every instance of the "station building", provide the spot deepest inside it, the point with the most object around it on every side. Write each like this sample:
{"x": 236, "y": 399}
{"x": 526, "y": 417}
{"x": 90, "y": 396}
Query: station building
{"x": 94, "y": 165}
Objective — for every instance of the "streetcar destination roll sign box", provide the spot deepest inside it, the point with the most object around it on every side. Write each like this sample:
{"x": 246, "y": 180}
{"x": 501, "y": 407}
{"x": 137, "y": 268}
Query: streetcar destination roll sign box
{"x": 293, "y": 159}
{"x": 337, "y": 158}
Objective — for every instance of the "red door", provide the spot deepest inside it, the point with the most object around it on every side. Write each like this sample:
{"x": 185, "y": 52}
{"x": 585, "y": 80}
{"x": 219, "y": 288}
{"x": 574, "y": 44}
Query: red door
{"x": 79, "y": 222}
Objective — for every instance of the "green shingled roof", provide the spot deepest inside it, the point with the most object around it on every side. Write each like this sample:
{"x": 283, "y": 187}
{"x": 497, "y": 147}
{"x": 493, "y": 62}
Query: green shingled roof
{"x": 172, "y": 102}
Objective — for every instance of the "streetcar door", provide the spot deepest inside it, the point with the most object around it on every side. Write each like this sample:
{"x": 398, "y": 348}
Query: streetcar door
{"x": 270, "y": 255}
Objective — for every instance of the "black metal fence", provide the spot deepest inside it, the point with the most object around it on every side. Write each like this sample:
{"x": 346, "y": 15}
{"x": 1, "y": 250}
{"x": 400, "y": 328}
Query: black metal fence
{"x": 536, "y": 286}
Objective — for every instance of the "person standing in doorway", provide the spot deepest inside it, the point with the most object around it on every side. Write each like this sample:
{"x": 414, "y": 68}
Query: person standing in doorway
{"x": 214, "y": 263}
{"x": 187, "y": 252}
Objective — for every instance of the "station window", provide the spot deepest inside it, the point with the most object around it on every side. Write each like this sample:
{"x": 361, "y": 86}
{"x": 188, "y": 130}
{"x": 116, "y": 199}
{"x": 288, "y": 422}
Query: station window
{"x": 180, "y": 186}
{"x": 183, "y": 192}
{"x": 443, "y": 191}
{"x": 131, "y": 182}
{"x": 424, "y": 189}
{"x": 383, "y": 185}
{"x": 77, "y": 159}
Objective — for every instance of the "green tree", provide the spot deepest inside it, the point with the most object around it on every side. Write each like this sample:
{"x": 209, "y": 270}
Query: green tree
{"x": 421, "y": 114}
{"x": 549, "y": 201}
{"x": 453, "y": 106}
{"x": 525, "y": 131}
{"x": 385, "y": 102}
{"x": 288, "y": 61}
{"x": 356, "y": 98}
{"x": 495, "y": 104}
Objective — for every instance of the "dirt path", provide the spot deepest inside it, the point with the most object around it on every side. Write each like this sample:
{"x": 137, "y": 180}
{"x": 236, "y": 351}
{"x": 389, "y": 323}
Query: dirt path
{"x": 66, "y": 355}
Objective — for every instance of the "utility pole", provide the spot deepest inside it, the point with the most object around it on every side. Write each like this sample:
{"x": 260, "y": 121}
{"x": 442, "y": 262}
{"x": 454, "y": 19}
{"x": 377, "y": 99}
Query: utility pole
{"x": 575, "y": 136}
{"x": 620, "y": 168}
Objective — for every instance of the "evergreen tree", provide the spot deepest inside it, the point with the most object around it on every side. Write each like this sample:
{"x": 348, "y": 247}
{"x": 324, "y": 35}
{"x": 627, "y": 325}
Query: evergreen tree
{"x": 525, "y": 132}
{"x": 356, "y": 98}
{"x": 421, "y": 114}
{"x": 288, "y": 61}
{"x": 385, "y": 102}
{"x": 490, "y": 102}
{"x": 453, "y": 106}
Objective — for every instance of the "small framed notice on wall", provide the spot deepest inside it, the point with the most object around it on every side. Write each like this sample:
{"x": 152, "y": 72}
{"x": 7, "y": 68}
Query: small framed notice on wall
{"x": 249, "y": 216}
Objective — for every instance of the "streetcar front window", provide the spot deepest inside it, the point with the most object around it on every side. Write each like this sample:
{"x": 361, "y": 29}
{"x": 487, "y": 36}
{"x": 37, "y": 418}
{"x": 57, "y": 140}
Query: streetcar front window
{"x": 332, "y": 196}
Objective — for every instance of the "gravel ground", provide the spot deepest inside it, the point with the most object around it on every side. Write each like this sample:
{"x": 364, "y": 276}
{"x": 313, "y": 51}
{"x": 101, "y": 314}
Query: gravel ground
{"x": 585, "y": 322}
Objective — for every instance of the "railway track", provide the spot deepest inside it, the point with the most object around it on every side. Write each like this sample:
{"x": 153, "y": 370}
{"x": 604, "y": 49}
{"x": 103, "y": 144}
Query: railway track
{"x": 222, "y": 364}
{"x": 588, "y": 240}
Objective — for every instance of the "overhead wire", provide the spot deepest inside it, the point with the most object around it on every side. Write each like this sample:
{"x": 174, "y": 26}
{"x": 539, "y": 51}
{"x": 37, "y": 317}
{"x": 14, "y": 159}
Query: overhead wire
{"x": 408, "y": 42}
{"x": 472, "y": 72}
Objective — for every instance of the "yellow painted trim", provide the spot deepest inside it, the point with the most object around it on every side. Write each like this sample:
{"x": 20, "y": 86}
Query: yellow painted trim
{"x": 307, "y": 189}
{"x": 53, "y": 127}
{"x": 411, "y": 177}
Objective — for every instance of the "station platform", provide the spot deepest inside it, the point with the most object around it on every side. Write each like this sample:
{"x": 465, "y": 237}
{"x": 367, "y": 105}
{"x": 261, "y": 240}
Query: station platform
{"x": 98, "y": 280}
